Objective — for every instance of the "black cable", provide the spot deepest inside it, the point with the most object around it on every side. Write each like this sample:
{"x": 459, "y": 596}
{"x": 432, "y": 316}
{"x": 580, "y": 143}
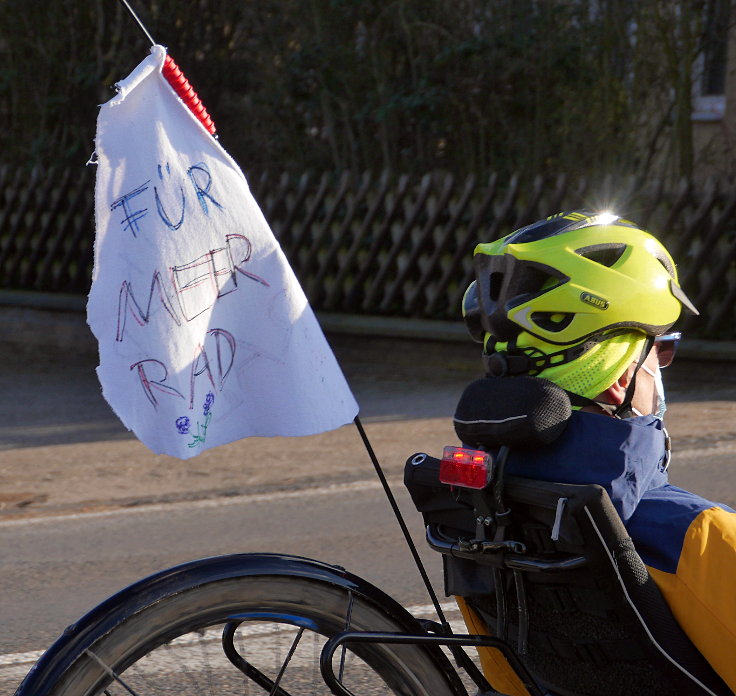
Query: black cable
{"x": 523, "y": 611}
{"x": 502, "y": 621}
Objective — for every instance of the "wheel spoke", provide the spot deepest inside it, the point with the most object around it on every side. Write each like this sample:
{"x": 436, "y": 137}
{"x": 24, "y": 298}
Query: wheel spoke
{"x": 205, "y": 659}
{"x": 348, "y": 618}
{"x": 182, "y": 667}
{"x": 292, "y": 649}
{"x": 110, "y": 672}
{"x": 235, "y": 657}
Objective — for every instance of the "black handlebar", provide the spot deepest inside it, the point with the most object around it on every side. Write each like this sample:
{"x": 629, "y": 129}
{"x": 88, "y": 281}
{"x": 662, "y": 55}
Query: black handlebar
{"x": 513, "y": 553}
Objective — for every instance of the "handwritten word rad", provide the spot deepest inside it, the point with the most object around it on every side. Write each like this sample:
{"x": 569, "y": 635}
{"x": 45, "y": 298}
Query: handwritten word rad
{"x": 200, "y": 179}
{"x": 154, "y": 378}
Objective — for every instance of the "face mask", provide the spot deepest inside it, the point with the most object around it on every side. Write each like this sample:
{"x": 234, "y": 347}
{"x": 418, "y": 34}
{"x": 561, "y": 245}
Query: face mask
{"x": 661, "y": 404}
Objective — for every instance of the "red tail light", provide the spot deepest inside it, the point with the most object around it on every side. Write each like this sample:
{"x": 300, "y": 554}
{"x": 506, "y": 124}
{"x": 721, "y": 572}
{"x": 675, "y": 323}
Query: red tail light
{"x": 468, "y": 468}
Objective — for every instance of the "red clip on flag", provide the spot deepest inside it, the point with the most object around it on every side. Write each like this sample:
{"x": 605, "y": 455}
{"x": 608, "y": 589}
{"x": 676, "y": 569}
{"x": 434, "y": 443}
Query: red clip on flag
{"x": 175, "y": 77}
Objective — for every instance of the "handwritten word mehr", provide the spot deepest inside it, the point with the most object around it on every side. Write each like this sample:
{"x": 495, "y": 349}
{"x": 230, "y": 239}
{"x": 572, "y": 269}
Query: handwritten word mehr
{"x": 194, "y": 287}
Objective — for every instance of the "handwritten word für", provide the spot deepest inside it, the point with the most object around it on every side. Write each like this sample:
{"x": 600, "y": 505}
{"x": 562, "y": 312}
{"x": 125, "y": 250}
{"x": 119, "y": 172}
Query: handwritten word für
{"x": 173, "y": 213}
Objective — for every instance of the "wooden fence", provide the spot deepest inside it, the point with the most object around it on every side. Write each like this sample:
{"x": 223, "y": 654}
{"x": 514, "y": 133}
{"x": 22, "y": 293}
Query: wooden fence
{"x": 386, "y": 245}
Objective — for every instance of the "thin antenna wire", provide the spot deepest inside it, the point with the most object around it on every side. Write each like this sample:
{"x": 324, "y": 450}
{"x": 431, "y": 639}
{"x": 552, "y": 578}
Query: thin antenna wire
{"x": 402, "y": 524}
{"x": 137, "y": 19}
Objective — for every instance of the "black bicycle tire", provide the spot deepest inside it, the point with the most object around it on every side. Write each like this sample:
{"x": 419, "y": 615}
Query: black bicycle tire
{"x": 408, "y": 668}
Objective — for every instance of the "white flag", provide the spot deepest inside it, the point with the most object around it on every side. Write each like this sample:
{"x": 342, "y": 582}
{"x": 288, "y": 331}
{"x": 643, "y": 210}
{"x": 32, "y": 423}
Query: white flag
{"x": 205, "y": 336}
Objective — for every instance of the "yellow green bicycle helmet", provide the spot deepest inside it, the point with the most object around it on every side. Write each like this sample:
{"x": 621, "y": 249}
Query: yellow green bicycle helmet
{"x": 562, "y": 285}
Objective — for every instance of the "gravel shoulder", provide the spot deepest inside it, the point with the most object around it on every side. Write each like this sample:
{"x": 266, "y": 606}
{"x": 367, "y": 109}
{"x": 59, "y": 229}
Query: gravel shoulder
{"x": 63, "y": 450}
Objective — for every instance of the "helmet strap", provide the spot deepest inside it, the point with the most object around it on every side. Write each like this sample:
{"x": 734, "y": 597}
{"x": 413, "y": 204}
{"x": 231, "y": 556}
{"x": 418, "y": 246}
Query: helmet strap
{"x": 519, "y": 361}
{"x": 515, "y": 361}
{"x": 625, "y": 409}
{"x": 581, "y": 401}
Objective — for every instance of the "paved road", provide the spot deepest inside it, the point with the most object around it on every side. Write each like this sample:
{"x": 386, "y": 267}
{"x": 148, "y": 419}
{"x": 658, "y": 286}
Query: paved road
{"x": 59, "y": 567}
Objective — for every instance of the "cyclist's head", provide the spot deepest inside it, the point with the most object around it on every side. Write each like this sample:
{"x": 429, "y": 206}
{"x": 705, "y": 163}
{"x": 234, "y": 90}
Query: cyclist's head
{"x": 574, "y": 298}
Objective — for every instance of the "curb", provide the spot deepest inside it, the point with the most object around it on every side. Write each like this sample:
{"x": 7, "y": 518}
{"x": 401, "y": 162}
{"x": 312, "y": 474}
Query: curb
{"x": 57, "y": 321}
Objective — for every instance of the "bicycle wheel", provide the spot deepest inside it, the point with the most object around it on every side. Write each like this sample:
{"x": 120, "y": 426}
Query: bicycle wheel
{"x": 173, "y": 643}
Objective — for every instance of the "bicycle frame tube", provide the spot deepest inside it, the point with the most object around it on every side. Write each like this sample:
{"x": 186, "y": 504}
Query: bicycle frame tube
{"x": 455, "y": 640}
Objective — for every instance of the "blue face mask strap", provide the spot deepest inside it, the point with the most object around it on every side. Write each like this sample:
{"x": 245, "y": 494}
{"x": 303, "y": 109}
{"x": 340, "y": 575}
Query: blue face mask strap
{"x": 659, "y": 389}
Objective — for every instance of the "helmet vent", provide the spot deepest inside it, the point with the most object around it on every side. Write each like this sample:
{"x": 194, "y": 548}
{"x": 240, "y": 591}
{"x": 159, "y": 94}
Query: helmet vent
{"x": 604, "y": 254}
{"x": 666, "y": 263}
{"x": 537, "y": 280}
{"x": 550, "y": 321}
{"x": 494, "y": 286}
{"x": 544, "y": 229}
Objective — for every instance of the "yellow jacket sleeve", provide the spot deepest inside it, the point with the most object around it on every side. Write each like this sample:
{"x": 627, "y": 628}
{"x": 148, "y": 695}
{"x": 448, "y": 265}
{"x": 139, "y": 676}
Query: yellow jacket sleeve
{"x": 701, "y": 593}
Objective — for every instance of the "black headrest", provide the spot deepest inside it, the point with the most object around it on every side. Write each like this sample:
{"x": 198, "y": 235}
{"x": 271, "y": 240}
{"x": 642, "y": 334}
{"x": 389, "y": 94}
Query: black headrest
{"x": 521, "y": 412}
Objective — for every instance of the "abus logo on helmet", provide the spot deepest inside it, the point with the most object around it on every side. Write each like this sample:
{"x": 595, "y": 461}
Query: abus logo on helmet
{"x": 594, "y": 300}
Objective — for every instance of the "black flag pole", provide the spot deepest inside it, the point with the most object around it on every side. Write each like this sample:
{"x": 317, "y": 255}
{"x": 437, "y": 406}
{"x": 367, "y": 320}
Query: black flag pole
{"x": 138, "y": 20}
{"x": 402, "y": 524}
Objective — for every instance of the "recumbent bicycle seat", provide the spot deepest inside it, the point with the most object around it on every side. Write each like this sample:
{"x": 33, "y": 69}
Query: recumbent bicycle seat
{"x": 549, "y": 567}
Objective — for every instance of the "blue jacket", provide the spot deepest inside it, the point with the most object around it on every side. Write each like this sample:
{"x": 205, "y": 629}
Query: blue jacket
{"x": 687, "y": 542}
